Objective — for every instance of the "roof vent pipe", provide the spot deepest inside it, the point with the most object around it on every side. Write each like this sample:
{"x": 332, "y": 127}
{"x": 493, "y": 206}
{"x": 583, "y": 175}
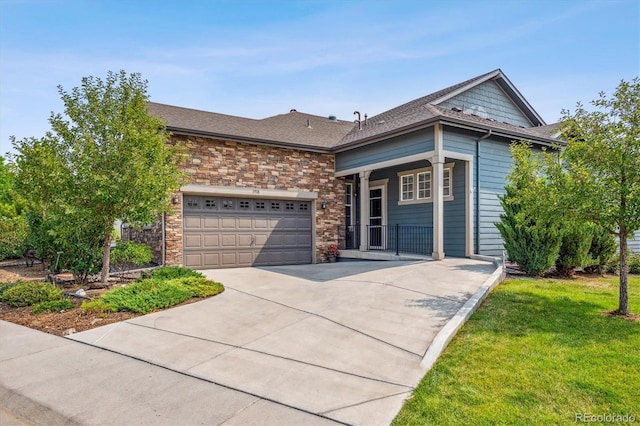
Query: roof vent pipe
{"x": 308, "y": 123}
{"x": 358, "y": 119}
{"x": 365, "y": 118}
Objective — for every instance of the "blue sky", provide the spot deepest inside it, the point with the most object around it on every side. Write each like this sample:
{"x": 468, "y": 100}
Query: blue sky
{"x": 262, "y": 58}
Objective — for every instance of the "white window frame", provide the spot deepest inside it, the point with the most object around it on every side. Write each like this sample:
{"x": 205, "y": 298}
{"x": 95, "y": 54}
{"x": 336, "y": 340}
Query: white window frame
{"x": 348, "y": 200}
{"x": 413, "y": 187}
{"x": 447, "y": 187}
{"x": 427, "y": 189}
{"x": 416, "y": 199}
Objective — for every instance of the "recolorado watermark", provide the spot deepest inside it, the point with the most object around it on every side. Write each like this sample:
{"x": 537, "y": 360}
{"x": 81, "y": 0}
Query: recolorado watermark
{"x": 605, "y": 418}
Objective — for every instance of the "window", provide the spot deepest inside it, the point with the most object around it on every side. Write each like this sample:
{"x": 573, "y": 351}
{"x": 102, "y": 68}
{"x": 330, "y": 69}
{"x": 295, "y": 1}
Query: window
{"x": 192, "y": 202}
{"x": 406, "y": 190}
{"x": 304, "y": 206}
{"x": 289, "y": 206}
{"x": 348, "y": 203}
{"x": 244, "y": 205}
{"x": 260, "y": 205}
{"x": 446, "y": 182}
{"x": 424, "y": 185}
{"x": 416, "y": 186}
{"x": 227, "y": 204}
{"x": 275, "y": 206}
{"x": 209, "y": 203}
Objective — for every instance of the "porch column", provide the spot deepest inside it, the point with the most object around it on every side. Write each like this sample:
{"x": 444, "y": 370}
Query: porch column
{"x": 468, "y": 203}
{"x": 437, "y": 161}
{"x": 364, "y": 208}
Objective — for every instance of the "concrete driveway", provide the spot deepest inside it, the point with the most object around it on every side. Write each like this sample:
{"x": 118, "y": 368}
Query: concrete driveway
{"x": 339, "y": 342}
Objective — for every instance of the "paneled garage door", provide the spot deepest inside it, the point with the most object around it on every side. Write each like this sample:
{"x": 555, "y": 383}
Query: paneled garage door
{"x": 221, "y": 232}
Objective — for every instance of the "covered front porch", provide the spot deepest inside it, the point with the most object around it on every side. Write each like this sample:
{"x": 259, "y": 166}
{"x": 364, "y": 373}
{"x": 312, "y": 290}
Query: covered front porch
{"x": 417, "y": 205}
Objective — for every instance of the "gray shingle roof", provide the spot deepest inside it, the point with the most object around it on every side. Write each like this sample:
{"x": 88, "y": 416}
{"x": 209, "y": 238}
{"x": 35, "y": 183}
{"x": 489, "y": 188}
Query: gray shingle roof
{"x": 291, "y": 129}
{"x": 313, "y": 132}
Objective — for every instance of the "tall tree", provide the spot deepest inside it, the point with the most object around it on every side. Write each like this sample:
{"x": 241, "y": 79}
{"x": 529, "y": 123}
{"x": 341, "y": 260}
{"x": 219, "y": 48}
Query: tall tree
{"x": 107, "y": 158}
{"x": 603, "y": 158}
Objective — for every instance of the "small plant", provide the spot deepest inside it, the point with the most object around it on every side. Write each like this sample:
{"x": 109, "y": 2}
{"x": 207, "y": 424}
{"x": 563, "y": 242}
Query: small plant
{"x": 332, "y": 250}
{"x": 30, "y": 293}
{"x": 98, "y": 306}
{"x": 171, "y": 272}
{"x": 52, "y": 306}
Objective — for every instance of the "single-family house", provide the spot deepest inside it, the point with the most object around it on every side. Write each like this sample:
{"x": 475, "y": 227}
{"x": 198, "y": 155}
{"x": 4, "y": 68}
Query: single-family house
{"x": 421, "y": 178}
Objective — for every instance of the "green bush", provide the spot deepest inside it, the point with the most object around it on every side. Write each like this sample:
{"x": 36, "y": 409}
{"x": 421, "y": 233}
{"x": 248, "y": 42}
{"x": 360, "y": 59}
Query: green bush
{"x": 603, "y": 248}
{"x": 146, "y": 296}
{"x": 97, "y": 306}
{"x": 52, "y": 306}
{"x": 574, "y": 249}
{"x": 532, "y": 245}
{"x": 30, "y": 293}
{"x": 634, "y": 263}
{"x": 126, "y": 254}
{"x": 200, "y": 287}
{"x": 4, "y": 287}
{"x": 171, "y": 272}
{"x": 13, "y": 237}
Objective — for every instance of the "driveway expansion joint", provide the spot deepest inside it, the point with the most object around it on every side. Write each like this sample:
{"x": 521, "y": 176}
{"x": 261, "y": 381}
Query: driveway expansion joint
{"x": 193, "y": 376}
{"x": 242, "y": 348}
{"x": 330, "y": 320}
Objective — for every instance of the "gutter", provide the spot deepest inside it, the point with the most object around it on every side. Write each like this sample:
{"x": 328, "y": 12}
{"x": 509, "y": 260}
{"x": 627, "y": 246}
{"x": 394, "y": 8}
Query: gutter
{"x": 164, "y": 243}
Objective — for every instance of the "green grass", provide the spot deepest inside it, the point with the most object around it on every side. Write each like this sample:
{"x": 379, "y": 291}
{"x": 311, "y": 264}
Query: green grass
{"x": 536, "y": 352}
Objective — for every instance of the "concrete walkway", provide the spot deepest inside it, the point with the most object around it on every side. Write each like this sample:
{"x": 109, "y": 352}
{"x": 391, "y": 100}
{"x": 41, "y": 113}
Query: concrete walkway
{"x": 312, "y": 344}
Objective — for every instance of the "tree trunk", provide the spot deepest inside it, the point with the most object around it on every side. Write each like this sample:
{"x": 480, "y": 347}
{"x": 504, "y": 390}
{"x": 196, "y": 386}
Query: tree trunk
{"x": 623, "y": 308}
{"x": 105, "y": 257}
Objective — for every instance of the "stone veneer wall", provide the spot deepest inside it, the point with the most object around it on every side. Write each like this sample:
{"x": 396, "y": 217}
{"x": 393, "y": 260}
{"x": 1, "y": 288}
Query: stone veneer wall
{"x": 242, "y": 165}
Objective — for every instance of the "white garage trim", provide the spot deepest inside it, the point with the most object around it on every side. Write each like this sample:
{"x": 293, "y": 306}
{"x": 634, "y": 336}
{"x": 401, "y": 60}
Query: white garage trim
{"x": 228, "y": 191}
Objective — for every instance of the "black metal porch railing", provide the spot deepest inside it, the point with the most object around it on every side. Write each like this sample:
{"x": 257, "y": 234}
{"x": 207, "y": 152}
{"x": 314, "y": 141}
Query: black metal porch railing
{"x": 397, "y": 238}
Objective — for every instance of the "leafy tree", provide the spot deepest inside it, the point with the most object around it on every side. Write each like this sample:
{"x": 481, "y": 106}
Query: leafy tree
{"x": 105, "y": 159}
{"x": 13, "y": 225}
{"x": 602, "y": 158}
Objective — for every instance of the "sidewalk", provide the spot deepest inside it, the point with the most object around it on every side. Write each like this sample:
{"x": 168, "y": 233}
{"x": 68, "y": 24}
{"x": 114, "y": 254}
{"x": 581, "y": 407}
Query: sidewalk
{"x": 73, "y": 383}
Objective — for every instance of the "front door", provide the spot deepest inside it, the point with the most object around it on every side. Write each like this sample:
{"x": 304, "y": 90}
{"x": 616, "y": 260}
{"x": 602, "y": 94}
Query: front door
{"x": 376, "y": 219}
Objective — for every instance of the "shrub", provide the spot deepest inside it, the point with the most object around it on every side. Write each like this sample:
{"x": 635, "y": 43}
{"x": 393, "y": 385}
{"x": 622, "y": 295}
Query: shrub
{"x": 52, "y": 306}
{"x": 30, "y": 293}
{"x": 126, "y": 254}
{"x": 603, "y": 248}
{"x": 200, "y": 287}
{"x": 13, "y": 236}
{"x": 574, "y": 249}
{"x": 533, "y": 245}
{"x": 4, "y": 287}
{"x": 171, "y": 272}
{"x": 634, "y": 263}
{"x": 146, "y": 296}
{"x": 98, "y": 306}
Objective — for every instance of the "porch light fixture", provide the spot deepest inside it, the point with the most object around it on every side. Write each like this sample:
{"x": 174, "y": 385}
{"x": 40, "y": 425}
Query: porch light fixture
{"x": 174, "y": 199}
{"x": 324, "y": 204}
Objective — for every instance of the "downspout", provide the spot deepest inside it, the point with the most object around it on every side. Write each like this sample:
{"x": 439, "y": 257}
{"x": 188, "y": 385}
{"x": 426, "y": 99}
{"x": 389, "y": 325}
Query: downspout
{"x": 477, "y": 192}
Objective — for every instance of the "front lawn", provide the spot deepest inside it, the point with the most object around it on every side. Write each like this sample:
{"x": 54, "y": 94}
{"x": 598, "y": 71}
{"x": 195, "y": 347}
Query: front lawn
{"x": 537, "y": 352}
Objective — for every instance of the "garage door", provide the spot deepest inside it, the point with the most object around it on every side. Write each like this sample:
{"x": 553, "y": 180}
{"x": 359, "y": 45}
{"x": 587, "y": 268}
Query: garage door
{"x": 224, "y": 232}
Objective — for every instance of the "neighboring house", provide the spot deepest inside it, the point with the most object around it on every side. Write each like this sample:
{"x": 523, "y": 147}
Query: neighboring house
{"x": 421, "y": 178}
